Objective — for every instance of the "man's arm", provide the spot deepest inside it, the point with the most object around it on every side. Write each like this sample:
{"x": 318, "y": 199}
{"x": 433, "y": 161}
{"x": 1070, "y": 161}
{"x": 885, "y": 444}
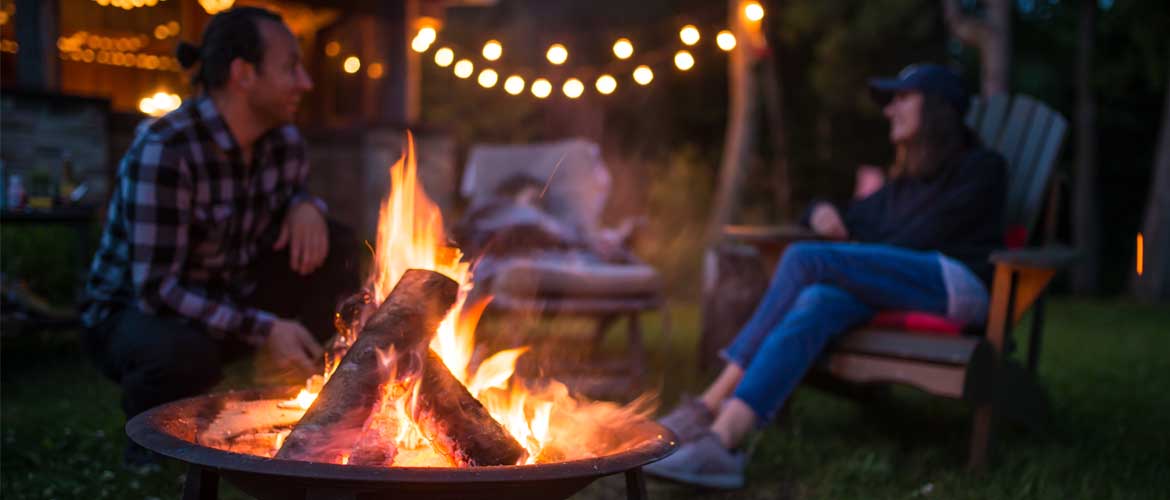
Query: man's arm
{"x": 303, "y": 230}
{"x": 157, "y": 203}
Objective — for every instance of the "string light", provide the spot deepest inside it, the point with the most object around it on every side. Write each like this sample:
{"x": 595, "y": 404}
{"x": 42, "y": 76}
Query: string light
{"x": 374, "y": 71}
{"x": 444, "y": 57}
{"x": 428, "y": 34}
{"x": 464, "y": 68}
{"x": 332, "y": 49}
{"x": 606, "y": 84}
{"x": 492, "y": 50}
{"x": 725, "y": 40}
{"x": 419, "y": 45}
{"x": 573, "y": 88}
{"x": 541, "y": 88}
{"x": 351, "y": 65}
{"x": 214, "y": 7}
{"x": 127, "y": 4}
{"x": 753, "y": 11}
{"x": 159, "y": 104}
{"x": 689, "y": 34}
{"x": 643, "y": 75}
{"x": 683, "y": 60}
{"x": 623, "y": 48}
{"x": 557, "y": 54}
{"x": 423, "y": 40}
{"x": 488, "y": 78}
{"x": 514, "y": 85}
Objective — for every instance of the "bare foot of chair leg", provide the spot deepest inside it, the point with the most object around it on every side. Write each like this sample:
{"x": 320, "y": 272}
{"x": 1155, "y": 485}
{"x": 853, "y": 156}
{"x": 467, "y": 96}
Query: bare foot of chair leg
{"x": 981, "y": 434}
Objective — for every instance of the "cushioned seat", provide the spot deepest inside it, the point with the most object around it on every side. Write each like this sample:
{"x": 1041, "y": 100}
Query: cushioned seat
{"x": 916, "y": 321}
{"x": 531, "y": 277}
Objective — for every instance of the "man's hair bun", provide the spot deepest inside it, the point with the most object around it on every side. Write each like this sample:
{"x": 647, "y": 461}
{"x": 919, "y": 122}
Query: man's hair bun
{"x": 187, "y": 54}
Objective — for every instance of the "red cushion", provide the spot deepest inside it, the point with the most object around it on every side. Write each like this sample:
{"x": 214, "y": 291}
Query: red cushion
{"x": 916, "y": 321}
{"x": 1016, "y": 236}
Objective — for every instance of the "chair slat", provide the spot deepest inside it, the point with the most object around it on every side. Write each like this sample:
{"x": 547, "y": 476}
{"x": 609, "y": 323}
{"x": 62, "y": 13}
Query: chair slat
{"x": 1042, "y": 166}
{"x": 1011, "y": 138}
{"x": 974, "y": 113}
{"x": 1022, "y": 178}
{"x": 991, "y": 124}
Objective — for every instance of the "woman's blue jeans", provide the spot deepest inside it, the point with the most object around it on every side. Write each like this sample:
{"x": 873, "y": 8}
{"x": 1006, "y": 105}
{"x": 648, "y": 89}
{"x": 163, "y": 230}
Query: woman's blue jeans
{"x": 820, "y": 290}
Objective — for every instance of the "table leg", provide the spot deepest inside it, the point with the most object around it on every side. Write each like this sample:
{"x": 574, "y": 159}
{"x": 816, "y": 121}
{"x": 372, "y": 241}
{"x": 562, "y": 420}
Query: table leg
{"x": 635, "y": 484}
{"x": 201, "y": 484}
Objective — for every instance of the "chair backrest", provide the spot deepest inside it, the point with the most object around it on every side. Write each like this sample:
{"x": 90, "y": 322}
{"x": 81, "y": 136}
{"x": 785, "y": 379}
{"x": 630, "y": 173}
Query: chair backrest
{"x": 577, "y": 180}
{"x": 1029, "y": 135}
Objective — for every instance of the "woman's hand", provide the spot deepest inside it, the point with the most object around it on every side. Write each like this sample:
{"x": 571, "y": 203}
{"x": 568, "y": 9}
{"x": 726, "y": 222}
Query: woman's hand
{"x": 869, "y": 180}
{"x": 825, "y": 221}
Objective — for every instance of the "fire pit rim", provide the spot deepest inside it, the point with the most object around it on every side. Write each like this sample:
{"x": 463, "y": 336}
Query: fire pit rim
{"x": 147, "y": 429}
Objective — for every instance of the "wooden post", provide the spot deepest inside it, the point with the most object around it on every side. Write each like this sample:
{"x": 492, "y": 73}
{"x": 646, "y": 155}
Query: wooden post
{"x": 1086, "y": 224}
{"x": 36, "y": 32}
{"x": 741, "y": 116}
{"x": 399, "y": 92}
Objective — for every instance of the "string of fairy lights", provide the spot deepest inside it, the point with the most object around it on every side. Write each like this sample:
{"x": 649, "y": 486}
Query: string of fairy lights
{"x": 557, "y": 54}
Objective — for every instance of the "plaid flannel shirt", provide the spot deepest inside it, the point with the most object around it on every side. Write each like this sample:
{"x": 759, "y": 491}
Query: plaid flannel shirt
{"x": 187, "y": 219}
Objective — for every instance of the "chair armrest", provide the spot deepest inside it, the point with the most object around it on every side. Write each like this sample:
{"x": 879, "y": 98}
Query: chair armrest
{"x": 1046, "y": 257}
{"x": 768, "y": 235}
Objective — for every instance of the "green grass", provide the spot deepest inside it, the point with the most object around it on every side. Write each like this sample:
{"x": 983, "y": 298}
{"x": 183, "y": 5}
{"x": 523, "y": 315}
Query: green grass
{"x": 1105, "y": 364}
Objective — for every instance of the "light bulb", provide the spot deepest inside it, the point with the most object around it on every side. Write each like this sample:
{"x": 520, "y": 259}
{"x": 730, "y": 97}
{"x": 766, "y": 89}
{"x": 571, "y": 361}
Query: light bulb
{"x": 689, "y": 34}
{"x": 623, "y": 48}
{"x": 643, "y": 75}
{"x": 541, "y": 88}
{"x": 606, "y": 84}
{"x": 557, "y": 54}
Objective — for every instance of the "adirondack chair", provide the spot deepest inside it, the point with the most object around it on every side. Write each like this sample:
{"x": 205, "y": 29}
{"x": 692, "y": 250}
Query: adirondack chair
{"x": 936, "y": 355}
{"x": 577, "y": 188}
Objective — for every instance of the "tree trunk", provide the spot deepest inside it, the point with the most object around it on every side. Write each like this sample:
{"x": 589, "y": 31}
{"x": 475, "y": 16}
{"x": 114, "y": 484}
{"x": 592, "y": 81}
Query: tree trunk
{"x": 1154, "y": 283}
{"x": 778, "y": 133}
{"x": 992, "y": 35}
{"x": 741, "y": 124}
{"x": 1086, "y": 222}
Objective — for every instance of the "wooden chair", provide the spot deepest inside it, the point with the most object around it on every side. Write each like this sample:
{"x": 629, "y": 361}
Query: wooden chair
{"x": 973, "y": 368}
{"x": 576, "y": 191}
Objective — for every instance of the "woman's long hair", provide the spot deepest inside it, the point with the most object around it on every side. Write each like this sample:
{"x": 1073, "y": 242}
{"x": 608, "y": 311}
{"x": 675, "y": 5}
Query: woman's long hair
{"x": 941, "y": 136}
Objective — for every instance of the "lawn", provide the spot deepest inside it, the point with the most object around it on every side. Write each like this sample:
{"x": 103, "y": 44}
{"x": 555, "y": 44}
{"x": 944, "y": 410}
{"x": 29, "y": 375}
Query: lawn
{"x": 1104, "y": 362}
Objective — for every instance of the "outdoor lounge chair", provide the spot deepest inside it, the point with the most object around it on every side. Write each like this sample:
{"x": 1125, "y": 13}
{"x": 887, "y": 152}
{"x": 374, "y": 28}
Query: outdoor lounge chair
{"x": 941, "y": 357}
{"x": 576, "y": 191}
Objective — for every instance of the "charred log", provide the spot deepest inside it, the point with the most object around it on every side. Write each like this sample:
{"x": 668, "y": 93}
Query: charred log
{"x": 457, "y": 424}
{"x": 402, "y": 326}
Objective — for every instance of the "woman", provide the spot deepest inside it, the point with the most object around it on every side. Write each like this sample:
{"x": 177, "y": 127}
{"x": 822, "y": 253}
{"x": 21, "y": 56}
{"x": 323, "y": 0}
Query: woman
{"x": 920, "y": 241}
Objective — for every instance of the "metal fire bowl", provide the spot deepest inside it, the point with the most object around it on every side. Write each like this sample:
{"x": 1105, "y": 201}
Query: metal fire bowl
{"x": 170, "y": 430}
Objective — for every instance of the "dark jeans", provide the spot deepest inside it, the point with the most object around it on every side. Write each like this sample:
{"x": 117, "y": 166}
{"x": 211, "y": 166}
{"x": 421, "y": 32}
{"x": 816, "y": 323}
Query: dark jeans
{"x": 819, "y": 291}
{"x": 158, "y": 359}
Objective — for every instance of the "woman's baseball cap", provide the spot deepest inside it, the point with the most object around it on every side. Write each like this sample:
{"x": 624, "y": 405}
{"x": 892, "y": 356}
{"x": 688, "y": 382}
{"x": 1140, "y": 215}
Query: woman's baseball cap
{"x": 925, "y": 78}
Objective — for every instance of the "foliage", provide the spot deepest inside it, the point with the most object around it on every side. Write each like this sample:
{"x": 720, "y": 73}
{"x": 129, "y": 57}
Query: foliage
{"x": 62, "y": 430}
{"x": 44, "y": 257}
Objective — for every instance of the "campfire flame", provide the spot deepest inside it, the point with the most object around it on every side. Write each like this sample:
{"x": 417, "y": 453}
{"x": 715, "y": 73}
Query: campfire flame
{"x": 410, "y": 235}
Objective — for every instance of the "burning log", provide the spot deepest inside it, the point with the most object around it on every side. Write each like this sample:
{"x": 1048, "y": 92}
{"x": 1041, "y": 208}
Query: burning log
{"x": 403, "y": 325}
{"x": 457, "y": 424}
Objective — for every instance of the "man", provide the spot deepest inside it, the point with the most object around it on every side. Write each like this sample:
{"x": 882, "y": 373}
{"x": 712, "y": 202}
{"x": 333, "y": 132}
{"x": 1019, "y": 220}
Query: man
{"x": 212, "y": 246}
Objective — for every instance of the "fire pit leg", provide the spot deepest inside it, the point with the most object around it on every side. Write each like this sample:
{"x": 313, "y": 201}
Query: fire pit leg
{"x": 201, "y": 484}
{"x": 635, "y": 484}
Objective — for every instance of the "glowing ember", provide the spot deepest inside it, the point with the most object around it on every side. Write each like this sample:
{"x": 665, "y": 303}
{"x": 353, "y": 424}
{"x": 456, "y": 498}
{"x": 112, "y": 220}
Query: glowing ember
{"x": 547, "y": 421}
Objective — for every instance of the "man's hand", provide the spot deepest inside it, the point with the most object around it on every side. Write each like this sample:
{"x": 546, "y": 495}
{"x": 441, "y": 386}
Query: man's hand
{"x": 825, "y": 221}
{"x": 292, "y": 346}
{"x": 305, "y": 233}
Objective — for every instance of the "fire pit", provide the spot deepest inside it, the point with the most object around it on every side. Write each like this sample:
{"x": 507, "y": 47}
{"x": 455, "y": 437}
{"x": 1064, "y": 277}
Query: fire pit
{"x": 172, "y": 430}
{"x": 401, "y": 410}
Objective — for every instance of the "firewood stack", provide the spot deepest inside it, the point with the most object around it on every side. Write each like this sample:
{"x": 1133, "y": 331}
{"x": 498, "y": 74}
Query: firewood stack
{"x": 349, "y": 421}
